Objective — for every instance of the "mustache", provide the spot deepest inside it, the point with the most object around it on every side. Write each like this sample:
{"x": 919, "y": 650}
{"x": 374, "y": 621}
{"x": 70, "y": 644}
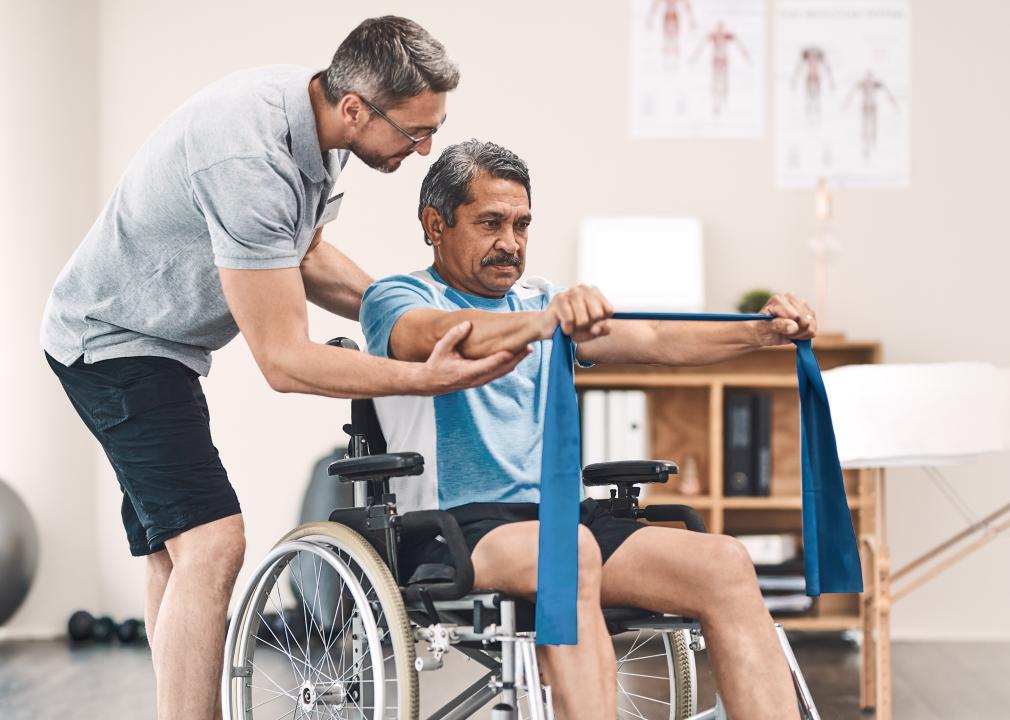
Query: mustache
{"x": 501, "y": 259}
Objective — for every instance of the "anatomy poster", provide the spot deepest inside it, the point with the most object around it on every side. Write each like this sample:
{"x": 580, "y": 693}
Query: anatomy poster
{"x": 842, "y": 104}
{"x": 697, "y": 68}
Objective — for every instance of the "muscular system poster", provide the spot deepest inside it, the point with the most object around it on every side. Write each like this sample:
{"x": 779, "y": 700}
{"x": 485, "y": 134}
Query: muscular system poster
{"x": 697, "y": 68}
{"x": 841, "y": 98}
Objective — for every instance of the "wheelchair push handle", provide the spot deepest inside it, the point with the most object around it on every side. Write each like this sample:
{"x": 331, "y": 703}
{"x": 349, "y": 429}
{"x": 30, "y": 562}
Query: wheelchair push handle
{"x": 428, "y": 523}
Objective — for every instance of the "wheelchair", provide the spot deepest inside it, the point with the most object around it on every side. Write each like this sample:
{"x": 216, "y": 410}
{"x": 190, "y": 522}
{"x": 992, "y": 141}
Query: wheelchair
{"x": 327, "y": 627}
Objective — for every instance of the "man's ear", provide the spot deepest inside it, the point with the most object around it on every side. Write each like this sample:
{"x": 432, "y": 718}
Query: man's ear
{"x": 433, "y": 224}
{"x": 352, "y": 110}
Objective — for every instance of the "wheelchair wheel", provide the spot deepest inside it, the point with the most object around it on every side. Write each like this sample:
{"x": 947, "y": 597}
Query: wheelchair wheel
{"x": 287, "y": 654}
{"x": 655, "y": 676}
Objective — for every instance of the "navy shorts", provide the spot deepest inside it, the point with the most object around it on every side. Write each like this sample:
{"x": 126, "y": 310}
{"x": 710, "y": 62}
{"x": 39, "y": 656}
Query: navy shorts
{"x": 151, "y": 418}
{"x": 478, "y": 519}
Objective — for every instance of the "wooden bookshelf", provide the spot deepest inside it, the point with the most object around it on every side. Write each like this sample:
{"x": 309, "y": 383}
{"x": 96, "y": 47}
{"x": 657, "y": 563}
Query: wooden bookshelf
{"x": 685, "y": 413}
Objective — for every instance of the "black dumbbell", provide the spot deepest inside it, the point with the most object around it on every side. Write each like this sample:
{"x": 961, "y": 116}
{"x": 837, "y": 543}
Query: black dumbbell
{"x": 84, "y": 626}
{"x": 131, "y": 631}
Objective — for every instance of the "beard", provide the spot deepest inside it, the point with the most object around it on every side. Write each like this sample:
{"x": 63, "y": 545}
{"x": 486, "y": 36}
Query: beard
{"x": 376, "y": 161}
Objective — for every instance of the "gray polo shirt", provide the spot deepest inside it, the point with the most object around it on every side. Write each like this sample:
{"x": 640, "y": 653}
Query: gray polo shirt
{"x": 235, "y": 179}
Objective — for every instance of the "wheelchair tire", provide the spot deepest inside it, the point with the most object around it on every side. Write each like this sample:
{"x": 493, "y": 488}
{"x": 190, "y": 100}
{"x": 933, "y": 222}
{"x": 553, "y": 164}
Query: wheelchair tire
{"x": 656, "y": 677}
{"x": 669, "y": 694}
{"x": 357, "y": 664}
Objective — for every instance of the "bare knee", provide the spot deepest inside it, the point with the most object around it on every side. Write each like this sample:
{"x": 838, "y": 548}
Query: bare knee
{"x": 159, "y": 566}
{"x": 213, "y": 553}
{"x": 733, "y": 574}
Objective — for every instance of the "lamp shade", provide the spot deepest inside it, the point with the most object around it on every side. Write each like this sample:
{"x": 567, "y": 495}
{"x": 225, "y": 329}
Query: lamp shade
{"x": 921, "y": 414}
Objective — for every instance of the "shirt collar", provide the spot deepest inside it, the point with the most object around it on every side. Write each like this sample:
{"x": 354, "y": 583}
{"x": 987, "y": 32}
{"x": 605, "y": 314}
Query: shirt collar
{"x": 302, "y": 126}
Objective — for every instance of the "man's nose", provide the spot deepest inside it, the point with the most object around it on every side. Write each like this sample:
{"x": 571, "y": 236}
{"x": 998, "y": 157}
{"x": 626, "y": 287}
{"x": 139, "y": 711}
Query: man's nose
{"x": 506, "y": 241}
{"x": 424, "y": 147}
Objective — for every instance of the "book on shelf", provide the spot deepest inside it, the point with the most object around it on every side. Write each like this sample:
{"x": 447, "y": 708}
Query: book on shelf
{"x": 792, "y": 603}
{"x": 737, "y": 450}
{"x": 782, "y": 583}
{"x": 615, "y": 426}
{"x": 770, "y": 549}
{"x": 747, "y": 457}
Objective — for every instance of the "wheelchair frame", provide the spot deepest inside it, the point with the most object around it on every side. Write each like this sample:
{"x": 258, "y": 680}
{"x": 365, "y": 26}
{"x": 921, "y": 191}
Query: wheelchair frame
{"x": 484, "y": 626}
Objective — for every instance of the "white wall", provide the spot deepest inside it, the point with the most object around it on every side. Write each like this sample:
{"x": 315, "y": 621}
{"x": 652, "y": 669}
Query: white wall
{"x": 48, "y": 133}
{"x": 919, "y": 269}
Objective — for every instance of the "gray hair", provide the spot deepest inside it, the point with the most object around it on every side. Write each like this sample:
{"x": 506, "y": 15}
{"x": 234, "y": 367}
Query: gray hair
{"x": 388, "y": 60}
{"x": 447, "y": 184}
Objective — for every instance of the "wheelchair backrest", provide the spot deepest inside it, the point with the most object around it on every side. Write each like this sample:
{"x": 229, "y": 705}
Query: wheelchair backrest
{"x": 364, "y": 420}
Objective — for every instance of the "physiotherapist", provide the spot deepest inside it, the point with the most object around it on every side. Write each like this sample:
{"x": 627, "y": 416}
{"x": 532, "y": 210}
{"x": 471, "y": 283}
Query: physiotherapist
{"x": 215, "y": 229}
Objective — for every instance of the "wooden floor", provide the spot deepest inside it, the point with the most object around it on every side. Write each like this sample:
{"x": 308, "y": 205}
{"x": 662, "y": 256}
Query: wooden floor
{"x": 932, "y": 681}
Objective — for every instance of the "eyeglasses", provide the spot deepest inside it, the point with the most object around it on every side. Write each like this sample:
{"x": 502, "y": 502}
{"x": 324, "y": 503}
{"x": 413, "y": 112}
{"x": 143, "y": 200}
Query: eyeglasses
{"x": 414, "y": 141}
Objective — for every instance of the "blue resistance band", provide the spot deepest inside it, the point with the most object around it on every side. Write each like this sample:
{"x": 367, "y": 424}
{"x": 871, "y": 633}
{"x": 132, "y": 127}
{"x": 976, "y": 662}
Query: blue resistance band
{"x": 831, "y": 555}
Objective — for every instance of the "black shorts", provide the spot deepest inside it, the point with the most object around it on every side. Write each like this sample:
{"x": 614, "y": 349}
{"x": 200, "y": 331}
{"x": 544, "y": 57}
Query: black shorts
{"x": 478, "y": 519}
{"x": 151, "y": 418}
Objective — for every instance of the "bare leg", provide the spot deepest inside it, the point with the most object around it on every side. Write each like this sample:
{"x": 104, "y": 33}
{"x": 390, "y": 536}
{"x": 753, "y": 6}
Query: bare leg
{"x": 188, "y": 646}
{"x": 709, "y": 577}
{"x": 159, "y": 567}
{"x": 581, "y": 676}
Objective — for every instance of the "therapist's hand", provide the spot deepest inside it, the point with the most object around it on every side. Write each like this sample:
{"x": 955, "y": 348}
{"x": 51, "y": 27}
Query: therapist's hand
{"x": 582, "y": 312}
{"x": 795, "y": 320}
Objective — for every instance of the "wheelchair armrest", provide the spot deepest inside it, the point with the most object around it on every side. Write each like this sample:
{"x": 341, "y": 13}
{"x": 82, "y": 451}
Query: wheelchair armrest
{"x": 368, "y": 467}
{"x": 628, "y": 471}
{"x": 675, "y": 513}
{"x": 427, "y": 524}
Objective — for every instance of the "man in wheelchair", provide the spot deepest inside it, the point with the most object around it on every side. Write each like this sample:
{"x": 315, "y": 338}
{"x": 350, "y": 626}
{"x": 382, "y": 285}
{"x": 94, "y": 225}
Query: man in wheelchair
{"x": 483, "y": 446}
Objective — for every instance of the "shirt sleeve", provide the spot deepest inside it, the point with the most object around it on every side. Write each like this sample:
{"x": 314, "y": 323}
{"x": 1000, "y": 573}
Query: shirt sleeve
{"x": 384, "y": 302}
{"x": 251, "y": 210}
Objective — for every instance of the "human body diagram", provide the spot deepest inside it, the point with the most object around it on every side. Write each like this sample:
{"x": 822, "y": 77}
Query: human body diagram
{"x": 869, "y": 87}
{"x": 720, "y": 38}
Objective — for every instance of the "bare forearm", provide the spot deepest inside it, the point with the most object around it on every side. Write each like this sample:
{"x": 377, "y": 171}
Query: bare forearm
{"x": 704, "y": 343}
{"x": 315, "y": 369}
{"x": 675, "y": 343}
{"x": 417, "y": 332}
{"x": 333, "y": 281}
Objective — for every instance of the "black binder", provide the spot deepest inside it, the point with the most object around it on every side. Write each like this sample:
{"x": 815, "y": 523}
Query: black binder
{"x": 738, "y": 444}
{"x": 762, "y": 445}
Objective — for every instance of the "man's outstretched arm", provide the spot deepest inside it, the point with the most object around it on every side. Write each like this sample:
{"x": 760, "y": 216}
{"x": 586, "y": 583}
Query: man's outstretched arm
{"x": 684, "y": 343}
{"x": 581, "y": 312}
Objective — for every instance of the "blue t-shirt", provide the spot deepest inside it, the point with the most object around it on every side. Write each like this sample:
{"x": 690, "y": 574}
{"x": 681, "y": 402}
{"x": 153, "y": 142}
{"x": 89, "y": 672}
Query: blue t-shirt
{"x": 480, "y": 445}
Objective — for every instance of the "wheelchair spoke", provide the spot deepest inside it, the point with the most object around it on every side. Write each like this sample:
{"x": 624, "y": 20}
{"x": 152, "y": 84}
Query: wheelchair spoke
{"x": 644, "y": 697}
{"x": 279, "y": 606}
{"x": 632, "y": 714}
{"x": 645, "y": 657}
{"x": 651, "y": 677}
{"x": 288, "y": 653}
{"x": 274, "y": 682}
{"x": 620, "y": 687}
{"x": 277, "y": 696}
{"x": 305, "y": 620}
{"x": 281, "y": 651}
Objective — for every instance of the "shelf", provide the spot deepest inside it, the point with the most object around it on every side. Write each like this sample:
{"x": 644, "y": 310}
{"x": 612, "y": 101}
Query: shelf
{"x": 698, "y": 502}
{"x": 820, "y": 623}
{"x": 793, "y": 502}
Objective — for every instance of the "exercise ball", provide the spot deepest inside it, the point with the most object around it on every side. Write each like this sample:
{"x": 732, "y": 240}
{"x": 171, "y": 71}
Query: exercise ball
{"x": 18, "y": 551}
